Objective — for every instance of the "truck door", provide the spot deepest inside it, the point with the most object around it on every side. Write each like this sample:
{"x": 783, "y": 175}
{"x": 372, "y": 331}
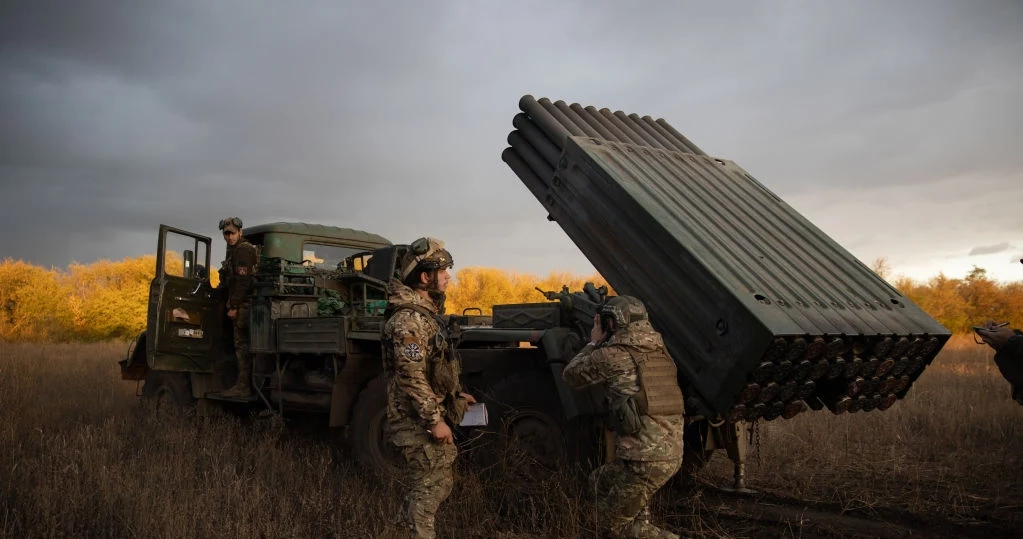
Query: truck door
{"x": 184, "y": 326}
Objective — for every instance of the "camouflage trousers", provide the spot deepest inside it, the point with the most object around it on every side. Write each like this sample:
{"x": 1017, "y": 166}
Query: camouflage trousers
{"x": 623, "y": 488}
{"x": 241, "y": 332}
{"x": 241, "y": 345}
{"x": 428, "y": 482}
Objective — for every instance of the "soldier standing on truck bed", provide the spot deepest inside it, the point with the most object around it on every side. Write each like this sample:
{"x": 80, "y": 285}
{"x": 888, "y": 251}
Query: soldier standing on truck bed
{"x": 645, "y": 410}
{"x": 424, "y": 396}
{"x": 236, "y": 278}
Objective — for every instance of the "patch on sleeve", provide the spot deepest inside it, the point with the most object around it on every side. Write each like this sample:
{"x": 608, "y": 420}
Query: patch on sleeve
{"x": 412, "y": 351}
{"x": 242, "y": 270}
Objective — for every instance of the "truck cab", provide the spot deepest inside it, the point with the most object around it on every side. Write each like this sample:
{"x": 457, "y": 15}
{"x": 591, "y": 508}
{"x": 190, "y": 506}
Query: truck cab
{"x": 188, "y": 336}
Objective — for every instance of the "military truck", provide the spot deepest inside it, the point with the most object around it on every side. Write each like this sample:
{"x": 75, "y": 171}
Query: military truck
{"x": 765, "y": 315}
{"x": 317, "y": 310}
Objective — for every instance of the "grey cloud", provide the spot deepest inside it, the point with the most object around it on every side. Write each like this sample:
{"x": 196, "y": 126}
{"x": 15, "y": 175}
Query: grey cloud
{"x": 991, "y": 249}
{"x": 391, "y": 117}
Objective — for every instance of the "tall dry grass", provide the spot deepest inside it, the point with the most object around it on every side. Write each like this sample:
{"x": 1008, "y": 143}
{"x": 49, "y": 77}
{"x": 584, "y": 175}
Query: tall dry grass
{"x": 953, "y": 447}
{"x": 79, "y": 457}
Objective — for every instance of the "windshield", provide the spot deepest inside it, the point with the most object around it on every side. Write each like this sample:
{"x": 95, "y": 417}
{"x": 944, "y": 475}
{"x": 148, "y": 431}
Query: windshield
{"x": 326, "y": 256}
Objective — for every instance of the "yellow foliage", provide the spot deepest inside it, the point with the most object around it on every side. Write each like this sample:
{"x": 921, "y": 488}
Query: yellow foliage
{"x": 88, "y": 302}
{"x": 108, "y": 300}
{"x": 485, "y": 287}
{"x": 33, "y": 304}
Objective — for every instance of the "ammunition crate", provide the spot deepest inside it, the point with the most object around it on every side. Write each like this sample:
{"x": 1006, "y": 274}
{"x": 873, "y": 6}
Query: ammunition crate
{"x": 279, "y": 277}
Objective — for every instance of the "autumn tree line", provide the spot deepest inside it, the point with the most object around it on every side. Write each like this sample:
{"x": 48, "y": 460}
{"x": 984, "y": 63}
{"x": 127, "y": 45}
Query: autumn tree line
{"x": 108, "y": 299}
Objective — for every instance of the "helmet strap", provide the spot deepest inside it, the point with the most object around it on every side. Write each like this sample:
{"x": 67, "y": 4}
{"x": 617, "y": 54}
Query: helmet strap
{"x": 608, "y": 324}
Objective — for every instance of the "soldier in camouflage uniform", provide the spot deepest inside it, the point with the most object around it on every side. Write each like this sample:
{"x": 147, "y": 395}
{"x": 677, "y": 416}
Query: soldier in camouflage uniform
{"x": 645, "y": 409}
{"x": 424, "y": 396}
{"x": 236, "y": 278}
{"x": 1008, "y": 346}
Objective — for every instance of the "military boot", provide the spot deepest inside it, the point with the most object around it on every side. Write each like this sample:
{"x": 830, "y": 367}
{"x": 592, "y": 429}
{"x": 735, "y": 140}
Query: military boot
{"x": 243, "y": 387}
{"x": 642, "y": 528}
{"x": 649, "y": 531}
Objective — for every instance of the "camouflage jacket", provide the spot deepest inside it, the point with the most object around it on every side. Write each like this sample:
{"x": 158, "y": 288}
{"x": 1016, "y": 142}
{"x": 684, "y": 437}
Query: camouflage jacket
{"x": 236, "y": 272}
{"x": 611, "y": 364}
{"x": 422, "y": 370}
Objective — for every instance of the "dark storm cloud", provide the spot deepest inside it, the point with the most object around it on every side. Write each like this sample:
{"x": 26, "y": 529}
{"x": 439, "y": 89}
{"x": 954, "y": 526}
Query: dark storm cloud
{"x": 122, "y": 116}
{"x": 391, "y": 117}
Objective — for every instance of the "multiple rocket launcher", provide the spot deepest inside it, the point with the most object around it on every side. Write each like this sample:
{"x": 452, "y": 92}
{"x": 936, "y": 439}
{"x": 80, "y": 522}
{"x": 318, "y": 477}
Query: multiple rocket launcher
{"x": 764, "y": 314}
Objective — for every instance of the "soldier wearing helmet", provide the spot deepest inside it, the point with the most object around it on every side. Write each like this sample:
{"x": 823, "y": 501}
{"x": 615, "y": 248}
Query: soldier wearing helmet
{"x": 1008, "y": 346}
{"x": 627, "y": 357}
{"x": 424, "y": 395}
{"x": 236, "y": 278}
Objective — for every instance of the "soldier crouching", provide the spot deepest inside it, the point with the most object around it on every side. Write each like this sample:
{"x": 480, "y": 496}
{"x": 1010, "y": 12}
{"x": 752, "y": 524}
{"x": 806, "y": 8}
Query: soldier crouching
{"x": 424, "y": 395}
{"x": 645, "y": 410}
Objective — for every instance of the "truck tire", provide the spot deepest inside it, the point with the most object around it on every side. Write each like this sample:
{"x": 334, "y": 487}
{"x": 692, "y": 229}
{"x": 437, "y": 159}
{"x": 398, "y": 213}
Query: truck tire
{"x": 367, "y": 437}
{"x": 168, "y": 394}
{"x": 526, "y": 428}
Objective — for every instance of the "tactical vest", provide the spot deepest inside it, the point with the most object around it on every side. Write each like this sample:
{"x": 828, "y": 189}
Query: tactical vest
{"x": 443, "y": 368}
{"x": 659, "y": 393}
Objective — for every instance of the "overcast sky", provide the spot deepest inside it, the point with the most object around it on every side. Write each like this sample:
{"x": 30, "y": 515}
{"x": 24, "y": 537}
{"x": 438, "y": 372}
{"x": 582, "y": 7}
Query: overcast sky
{"x": 895, "y": 126}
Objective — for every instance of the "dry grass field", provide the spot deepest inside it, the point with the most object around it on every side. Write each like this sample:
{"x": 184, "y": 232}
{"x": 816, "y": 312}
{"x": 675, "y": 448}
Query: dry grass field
{"x": 80, "y": 457}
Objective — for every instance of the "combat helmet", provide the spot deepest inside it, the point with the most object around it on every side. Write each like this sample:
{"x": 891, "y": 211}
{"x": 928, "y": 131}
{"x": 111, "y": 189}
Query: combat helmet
{"x": 230, "y": 221}
{"x": 624, "y": 310}
{"x": 425, "y": 254}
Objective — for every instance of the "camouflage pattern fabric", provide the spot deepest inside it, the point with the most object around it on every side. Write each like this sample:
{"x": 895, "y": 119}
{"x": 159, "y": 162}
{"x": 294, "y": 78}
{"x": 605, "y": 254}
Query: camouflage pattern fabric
{"x": 241, "y": 334}
{"x": 419, "y": 382}
{"x": 428, "y": 480}
{"x": 623, "y": 488}
{"x": 611, "y": 364}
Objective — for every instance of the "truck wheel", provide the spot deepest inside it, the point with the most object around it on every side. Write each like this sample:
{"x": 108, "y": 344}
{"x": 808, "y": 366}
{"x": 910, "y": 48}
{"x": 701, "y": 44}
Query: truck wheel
{"x": 168, "y": 393}
{"x": 526, "y": 427}
{"x": 367, "y": 437}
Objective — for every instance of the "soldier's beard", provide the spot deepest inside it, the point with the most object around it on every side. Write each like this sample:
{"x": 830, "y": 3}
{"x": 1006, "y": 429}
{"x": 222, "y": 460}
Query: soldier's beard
{"x": 436, "y": 295}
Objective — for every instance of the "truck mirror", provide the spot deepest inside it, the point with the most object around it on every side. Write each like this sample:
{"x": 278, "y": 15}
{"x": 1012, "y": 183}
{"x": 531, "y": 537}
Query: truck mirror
{"x": 189, "y": 259}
